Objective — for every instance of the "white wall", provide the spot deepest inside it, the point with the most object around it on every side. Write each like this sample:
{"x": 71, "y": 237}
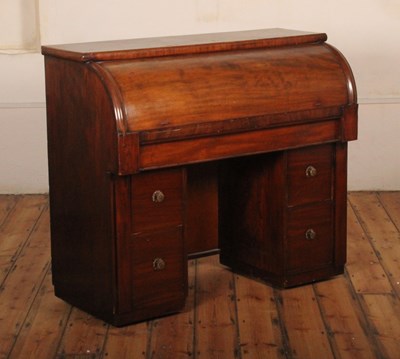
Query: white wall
{"x": 366, "y": 31}
{"x": 18, "y": 25}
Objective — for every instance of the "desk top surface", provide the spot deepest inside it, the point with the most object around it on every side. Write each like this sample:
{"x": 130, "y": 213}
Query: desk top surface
{"x": 181, "y": 45}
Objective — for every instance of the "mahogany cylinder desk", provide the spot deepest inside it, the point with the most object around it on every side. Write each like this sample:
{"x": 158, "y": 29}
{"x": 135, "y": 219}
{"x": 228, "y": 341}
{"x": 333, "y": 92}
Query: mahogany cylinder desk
{"x": 163, "y": 149}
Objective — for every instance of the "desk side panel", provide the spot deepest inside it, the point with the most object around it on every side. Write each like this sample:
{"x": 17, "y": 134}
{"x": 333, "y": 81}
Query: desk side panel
{"x": 81, "y": 154}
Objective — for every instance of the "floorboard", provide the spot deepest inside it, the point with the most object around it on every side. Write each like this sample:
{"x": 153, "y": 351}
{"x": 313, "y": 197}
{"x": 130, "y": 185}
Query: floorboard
{"x": 355, "y": 315}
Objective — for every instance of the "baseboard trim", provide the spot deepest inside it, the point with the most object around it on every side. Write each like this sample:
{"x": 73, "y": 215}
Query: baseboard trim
{"x": 361, "y": 101}
{"x": 18, "y": 105}
{"x": 379, "y": 100}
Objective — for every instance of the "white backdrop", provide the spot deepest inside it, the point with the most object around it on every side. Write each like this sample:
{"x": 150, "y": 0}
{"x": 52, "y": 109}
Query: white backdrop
{"x": 366, "y": 31}
{"x": 19, "y": 30}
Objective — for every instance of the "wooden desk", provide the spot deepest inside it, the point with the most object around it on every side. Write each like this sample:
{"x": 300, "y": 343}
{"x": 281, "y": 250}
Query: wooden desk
{"x": 165, "y": 148}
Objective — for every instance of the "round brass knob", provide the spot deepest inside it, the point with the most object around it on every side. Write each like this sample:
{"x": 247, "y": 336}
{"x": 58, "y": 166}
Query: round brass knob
{"x": 310, "y": 234}
{"x": 158, "y": 196}
{"x": 311, "y": 171}
{"x": 158, "y": 264}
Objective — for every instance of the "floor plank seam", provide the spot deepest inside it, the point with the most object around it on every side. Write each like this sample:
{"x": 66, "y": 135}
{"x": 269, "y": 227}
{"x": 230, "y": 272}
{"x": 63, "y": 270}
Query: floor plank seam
{"x": 286, "y": 348}
{"x": 376, "y": 251}
{"x": 328, "y": 330}
{"x": 238, "y": 351}
{"x": 23, "y": 322}
{"x": 16, "y": 255}
{"x": 387, "y": 211}
{"x": 9, "y": 212}
{"x": 368, "y": 327}
{"x": 195, "y": 314}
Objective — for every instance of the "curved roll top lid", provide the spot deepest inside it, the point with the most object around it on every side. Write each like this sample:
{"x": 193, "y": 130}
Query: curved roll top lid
{"x": 175, "y": 82}
{"x": 177, "y": 91}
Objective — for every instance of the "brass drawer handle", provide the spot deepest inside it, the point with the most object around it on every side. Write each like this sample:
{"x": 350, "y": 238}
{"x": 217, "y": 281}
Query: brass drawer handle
{"x": 310, "y": 234}
{"x": 158, "y": 196}
{"x": 158, "y": 264}
{"x": 311, "y": 171}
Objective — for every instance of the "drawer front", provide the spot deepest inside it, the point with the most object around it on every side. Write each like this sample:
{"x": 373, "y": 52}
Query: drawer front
{"x": 310, "y": 240}
{"x": 157, "y": 200}
{"x": 158, "y": 268}
{"x": 310, "y": 172}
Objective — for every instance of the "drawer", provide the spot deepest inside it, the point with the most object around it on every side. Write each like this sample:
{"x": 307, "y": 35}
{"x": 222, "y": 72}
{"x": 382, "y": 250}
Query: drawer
{"x": 157, "y": 200}
{"x": 310, "y": 239}
{"x": 310, "y": 172}
{"x": 158, "y": 268}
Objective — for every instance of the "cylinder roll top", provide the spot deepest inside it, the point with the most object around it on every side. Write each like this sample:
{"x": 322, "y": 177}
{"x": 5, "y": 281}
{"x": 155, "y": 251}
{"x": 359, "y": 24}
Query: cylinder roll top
{"x": 178, "y": 91}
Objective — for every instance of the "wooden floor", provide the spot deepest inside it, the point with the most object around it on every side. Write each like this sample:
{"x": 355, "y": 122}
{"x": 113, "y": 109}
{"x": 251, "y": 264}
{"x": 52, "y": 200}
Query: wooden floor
{"x": 356, "y": 315}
